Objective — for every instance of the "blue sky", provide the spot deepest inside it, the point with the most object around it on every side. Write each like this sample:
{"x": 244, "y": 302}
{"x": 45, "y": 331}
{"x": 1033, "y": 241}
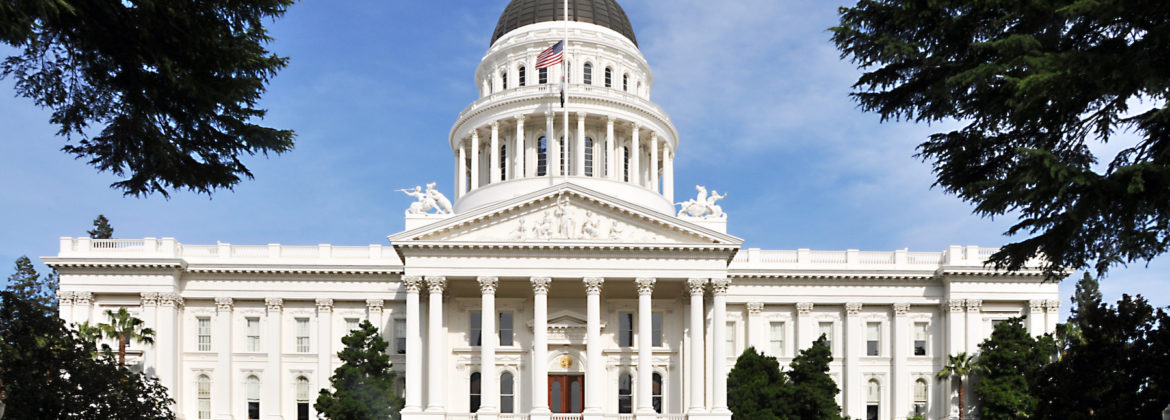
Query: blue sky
{"x": 756, "y": 89}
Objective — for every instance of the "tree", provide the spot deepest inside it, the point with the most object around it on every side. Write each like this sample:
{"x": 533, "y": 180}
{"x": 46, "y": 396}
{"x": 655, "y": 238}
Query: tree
{"x": 364, "y": 383}
{"x": 27, "y": 284}
{"x": 1006, "y": 360}
{"x": 757, "y": 389}
{"x": 161, "y": 93}
{"x": 814, "y": 391}
{"x": 126, "y": 328}
{"x": 958, "y": 368}
{"x": 101, "y": 228}
{"x": 89, "y": 332}
{"x": 1032, "y": 84}
{"x": 49, "y": 373}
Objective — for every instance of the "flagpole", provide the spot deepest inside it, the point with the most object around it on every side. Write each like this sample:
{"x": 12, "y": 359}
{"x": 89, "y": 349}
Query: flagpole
{"x": 565, "y": 107}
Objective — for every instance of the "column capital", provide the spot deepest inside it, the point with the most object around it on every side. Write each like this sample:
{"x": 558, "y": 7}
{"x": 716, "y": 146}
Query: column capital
{"x": 412, "y": 283}
{"x": 593, "y": 285}
{"x": 696, "y": 286}
{"x": 223, "y": 304}
{"x": 754, "y": 308}
{"x": 324, "y": 305}
{"x": 82, "y": 298}
{"x": 582, "y": 114}
{"x": 1036, "y": 306}
{"x": 274, "y": 304}
{"x": 974, "y": 305}
{"x": 645, "y": 285}
{"x": 653, "y": 136}
{"x": 540, "y": 285}
{"x": 375, "y": 305}
{"x": 495, "y": 125}
{"x": 148, "y": 298}
{"x": 804, "y": 308}
{"x": 719, "y": 286}
{"x": 1053, "y": 305}
{"x": 171, "y": 299}
{"x": 852, "y": 308}
{"x": 488, "y": 284}
{"x": 436, "y": 284}
{"x": 519, "y": 118}
{"x": 954, "y": 305}
{"x": 66, "y": 298}
{"x": 610, "y": 119}
{"x": 901, "y": 309}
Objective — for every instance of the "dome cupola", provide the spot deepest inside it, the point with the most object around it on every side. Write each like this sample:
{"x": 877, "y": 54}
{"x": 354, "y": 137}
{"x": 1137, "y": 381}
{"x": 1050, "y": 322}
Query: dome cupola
{"x": 606, "y": 13}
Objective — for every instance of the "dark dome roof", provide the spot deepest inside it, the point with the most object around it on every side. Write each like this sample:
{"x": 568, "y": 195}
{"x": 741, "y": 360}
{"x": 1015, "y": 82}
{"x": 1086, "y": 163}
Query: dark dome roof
{"x": 606, "y": 13}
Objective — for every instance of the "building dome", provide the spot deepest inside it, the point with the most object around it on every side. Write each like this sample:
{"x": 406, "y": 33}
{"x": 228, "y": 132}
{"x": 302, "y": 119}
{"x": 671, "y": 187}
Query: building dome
{"x": 605, "y": 13}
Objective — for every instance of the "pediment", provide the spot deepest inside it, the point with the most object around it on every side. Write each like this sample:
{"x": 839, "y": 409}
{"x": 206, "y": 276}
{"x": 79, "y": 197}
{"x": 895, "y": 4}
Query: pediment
{"x": 565, "y": 214}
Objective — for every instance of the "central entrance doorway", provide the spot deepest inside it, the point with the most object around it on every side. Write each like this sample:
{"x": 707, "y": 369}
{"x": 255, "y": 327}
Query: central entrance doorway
{"x": 566, "y": 393}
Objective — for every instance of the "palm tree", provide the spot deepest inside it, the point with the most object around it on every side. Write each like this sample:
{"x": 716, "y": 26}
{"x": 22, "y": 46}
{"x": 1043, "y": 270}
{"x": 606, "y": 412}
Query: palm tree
{"x": 89, "y": 333}
{"x": 959, "y": 366}
{"x": 126, "y": 327}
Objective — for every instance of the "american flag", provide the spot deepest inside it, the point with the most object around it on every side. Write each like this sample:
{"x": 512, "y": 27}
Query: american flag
{"x": 551, "y": 56}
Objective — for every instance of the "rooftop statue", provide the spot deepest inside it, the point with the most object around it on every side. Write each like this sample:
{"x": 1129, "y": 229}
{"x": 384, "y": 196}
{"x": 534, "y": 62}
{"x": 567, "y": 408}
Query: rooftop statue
{"x": 703, "y": 205}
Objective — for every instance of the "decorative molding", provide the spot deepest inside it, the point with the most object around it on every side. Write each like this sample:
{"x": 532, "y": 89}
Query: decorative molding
{"x": 1036, "y": 306}
{"x": 719, "y": 286}
{"x": 488, "y": 284}
{"x": 901, "y": 309}
{"x": 375, "y": 305}
{"x": 224, "y": 304}
{"x": 412, "y": 283}
{"x": 954, "y": 305}
{"x": 82, "y": 298}
{"x": 696, "y": 286}
{"x": 1053, "y": 305}
{"x": 171, "y": 299}
{"x": 324, "y": 305}
{"x": 645, "y": 285}
{"x": 974, "y": 305}
{"x": 754, "y": 308}
{"x": 540, "y": 285}
{"x": 593, "y": 285}
{"x": 66, "y": 298}
{"x": 804, "y": 308}
{"x": 148, "y": 298}
{"x": 274, "y": 304}
{"x": 436, "y": 284}
{"x": 852, "y": 308}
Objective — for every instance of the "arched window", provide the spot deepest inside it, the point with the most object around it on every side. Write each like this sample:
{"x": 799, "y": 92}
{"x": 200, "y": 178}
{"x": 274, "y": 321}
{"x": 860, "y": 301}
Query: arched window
{"x": 520, "y": 72}
{"x": 303, "y": 394}
{"x": 873, "y": 397}
{"x": 588, "y": 74}
{"x": 626, "y": 164}
{"x": 543, "y": 74}
{"x": 503, "y": 162}
{"x": 252, "y": 392}
{"x": 504, "y": 78}
{"x": 507, "y": 393}
{"x": 625, "y": 394}
{"x": 475, "y": 392}
{"x": 489, "y": 89}
{"x": 588, "y": 156}
{"x": 203, "y": 384}
{"x": 608, "y": 77}
{"x": 920, "y": 393}
{"x": 656, "y": 392}
{"x": 626, "y": 82}
{"x": 542, "y": 156}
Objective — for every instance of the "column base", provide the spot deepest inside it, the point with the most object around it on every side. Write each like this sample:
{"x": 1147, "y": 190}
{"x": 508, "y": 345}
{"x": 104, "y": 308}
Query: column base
{"x": 423, "y": 416}
{"x": 539, "y": 416}
{"x": 596, "y": 415}
{"x": 651, "y": 415}
{"x": 709, "y": 416}
{"x": 222, "y": 417}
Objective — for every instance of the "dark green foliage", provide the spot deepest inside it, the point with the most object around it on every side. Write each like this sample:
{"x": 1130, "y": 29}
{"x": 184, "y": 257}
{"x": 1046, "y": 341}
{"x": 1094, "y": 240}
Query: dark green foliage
{"x": 1115, "y": 361}
{"x": 814, "y": 392}
{"x": 1006, "y": 360}
{"x": 29, "y": 285}
{"x": 1033, "y": 83}
{"x": 101, "y": 228}
{"x": 364, "y": 383}
{"x": 162, "y": 93}
{"x": 49, "y": 373}
{"x": 958, "y": 369}
{"x": 757, "y": 390}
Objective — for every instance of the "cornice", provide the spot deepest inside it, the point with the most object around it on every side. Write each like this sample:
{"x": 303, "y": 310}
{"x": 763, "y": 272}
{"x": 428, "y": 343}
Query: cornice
{"x": 296, "y": 269}
{"x": 65, "y": 262}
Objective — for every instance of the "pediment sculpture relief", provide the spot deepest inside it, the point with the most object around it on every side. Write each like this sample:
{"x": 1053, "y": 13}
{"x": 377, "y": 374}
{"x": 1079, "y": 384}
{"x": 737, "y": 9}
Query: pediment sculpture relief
{"x": 565, "y": 222}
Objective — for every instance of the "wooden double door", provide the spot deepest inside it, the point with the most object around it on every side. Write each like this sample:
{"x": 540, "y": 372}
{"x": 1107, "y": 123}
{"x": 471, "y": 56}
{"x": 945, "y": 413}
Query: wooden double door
{"x": 566, "y": 393}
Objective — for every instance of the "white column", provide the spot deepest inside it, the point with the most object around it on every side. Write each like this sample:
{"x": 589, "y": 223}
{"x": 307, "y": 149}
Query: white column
{"x": 806, "y": 329}
{"x": 150, "y": 318}
{"x": 902, "y": 392}
{"x": 594, "y": 368}
{"x": 668, "y": 172}
{"x": 756, "y": 333}
{"x": 1035, "y": 320}
{"x": 610, "y": 155}
{"x": 83, "y": 307}
{"x": 222, "y": 341}
{"x": 696, "y": 286}
{"x": 65, "y": 306}
{"x": 579, "y": 168}
{"x": 324, "y": 341}
{"x": 955, "y": 345}
{"x": 654, "y": 162}
{"x": 553, "y": 151}
{"x": 1052, "y": 306}
{"x": 166, "y": 341}
{"x": 374, "y": 314}
{"x": 519, "y": 150}
{"x": 413, "y": 345}
{"x": 719, "y": 370}
{"x": 645, "y": 329}
{"x": 974, "y": 336}
{"x": 635, "y": 157}
{"x": 461, "y": 175}
{"x": 474, "y": 159}
{"x": 853, "y": 342}
{"x": 436, "y": 348}
{"x": 489, "y": 380}
{"x": 274, "y": 343}
{"x": 494, "y": 154}
{"x": 540, "y": 287}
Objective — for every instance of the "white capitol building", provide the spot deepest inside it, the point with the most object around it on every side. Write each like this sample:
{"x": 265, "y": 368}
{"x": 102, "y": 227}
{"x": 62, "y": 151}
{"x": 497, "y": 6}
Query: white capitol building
{"x": 608, "y": 300}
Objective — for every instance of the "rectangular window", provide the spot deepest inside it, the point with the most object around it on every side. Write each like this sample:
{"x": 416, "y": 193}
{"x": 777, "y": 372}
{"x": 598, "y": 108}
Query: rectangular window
{"x": 871, "y": 412}
{"x": 920, "y": 338}
{"x": 543, "y": 74}
{"x": 351, "y": 324}
{"x": 476, "y": 329}
{"x": 506, "y": 328}
{"x": 777, "y": 339}
{"x": 731, "y": 340}
{"x": 400, "y": 336}
{"x": 656, "y": 329}
{"x": 826, "y": 329}
{"x": 302, "y": 335}
{"x": 522, "y": 76}
{"x": 626, "y": 329}
{"x": 204, "y": 334}
{"x": 873, "y": 334}
{"x": 253, "y": 335}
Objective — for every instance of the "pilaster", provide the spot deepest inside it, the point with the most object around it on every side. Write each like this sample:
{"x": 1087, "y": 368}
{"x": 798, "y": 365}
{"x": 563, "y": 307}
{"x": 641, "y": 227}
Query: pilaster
{"x": 324, "y": 341}
{"x": 222, "y": 342}
{"x": 806, "y": 332}
{"x": 149, "y": 302}
{"x": 853, "y": 343}
{"x": 436, "y": 346}
{"x": 594, "y": 368}
{"x": 901, "y": 384}
{"x": 275, "y": 343}
{"x": 645, "y": 286}
{"x": 414, "y": 361}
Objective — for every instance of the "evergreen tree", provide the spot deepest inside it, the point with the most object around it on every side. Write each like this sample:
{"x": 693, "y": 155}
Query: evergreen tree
{"x": 959, "y": 367}
{"x": 757, "y": 390}
{"x": 363, "y": 384}
{"x": 29, "y": 285}
{"x": 1006, "y": 360}
{"x": 814, "y": 391}
{"x": 101, "y": 228}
